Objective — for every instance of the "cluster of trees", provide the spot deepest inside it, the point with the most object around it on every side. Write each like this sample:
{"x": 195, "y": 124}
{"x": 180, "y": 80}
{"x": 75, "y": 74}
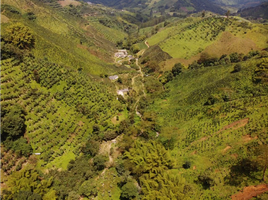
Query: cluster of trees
{"x": 29, "y": 184}
{"x": 17, "y": 41}
{"x": 150, "y": 162}
{"x": 206, "y": 60}
{"x": 131, "y": 42}
{"x": 20, "y": 36}
{"x": 13, "y": 128}
{"x": 168, "y": 76}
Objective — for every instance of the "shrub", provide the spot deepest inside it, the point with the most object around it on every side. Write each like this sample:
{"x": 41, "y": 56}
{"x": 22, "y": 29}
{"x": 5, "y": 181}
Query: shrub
{"x": 20, "y": 36}
{"x": 177, "y": 69}
{"x": 129, "y": 191}
{"x": 234, "y": 57}
{"x": 237, "y": 68}
{"x": 194, "y": 65}
{"x": 99, "y": 162}
{"x": 12, "y": 122}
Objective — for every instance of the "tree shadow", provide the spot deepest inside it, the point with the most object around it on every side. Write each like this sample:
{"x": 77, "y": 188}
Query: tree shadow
{"x": 241, "y": 172}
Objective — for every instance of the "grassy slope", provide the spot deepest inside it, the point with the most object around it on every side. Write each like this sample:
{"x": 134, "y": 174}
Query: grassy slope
{"x": 59, "y": 36}
{"x": 55, "y": 128}
{"x": 212, "y": 138}
{"x": 186, "y": 39}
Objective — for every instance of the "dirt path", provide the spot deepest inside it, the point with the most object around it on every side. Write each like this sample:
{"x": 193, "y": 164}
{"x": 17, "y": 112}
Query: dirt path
{"x": 147, "y": 44}
{"x": 250, "y": 192}
{"x": 141, "y": 74}
{"x": 133, "y": 82}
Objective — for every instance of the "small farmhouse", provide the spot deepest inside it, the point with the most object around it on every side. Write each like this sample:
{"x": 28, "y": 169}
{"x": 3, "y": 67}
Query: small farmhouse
{"x": 122, "y": 92}
{"x": 113, "y": 78}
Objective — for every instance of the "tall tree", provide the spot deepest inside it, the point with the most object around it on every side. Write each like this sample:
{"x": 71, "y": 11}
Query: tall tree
{"x": 262, "y": 158}
{"x": 227, "y": 14}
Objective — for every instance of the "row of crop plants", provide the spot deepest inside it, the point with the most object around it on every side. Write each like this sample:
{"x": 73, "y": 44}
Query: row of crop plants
{"x": 54, "y": 127}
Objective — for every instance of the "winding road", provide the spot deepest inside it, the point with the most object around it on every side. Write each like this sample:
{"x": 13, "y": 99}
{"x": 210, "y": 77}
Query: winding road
{"x": 141, "y": 74}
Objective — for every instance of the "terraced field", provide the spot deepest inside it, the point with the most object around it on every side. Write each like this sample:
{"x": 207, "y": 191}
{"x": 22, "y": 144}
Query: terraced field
{"x": 54, "y": 128}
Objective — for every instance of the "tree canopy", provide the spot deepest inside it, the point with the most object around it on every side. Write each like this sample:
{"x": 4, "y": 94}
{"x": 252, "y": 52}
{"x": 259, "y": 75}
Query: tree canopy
{"x": 12, "y": 122}
{"x": 20, "y": 36}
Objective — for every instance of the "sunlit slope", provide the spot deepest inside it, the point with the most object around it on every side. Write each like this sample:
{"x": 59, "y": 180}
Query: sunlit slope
{"x": 63, "y": 38}
{"x": 218, "y": 117}
{"x": 61, "y": 109}
{"x": 215, "y": 35}
{"x": 161, "y": 6}
{"x": 193, "y": 38}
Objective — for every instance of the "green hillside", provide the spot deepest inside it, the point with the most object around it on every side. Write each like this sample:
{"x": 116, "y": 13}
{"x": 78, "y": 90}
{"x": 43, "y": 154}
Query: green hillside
{"x": 256, "y": 12}
{"x": 186, "y": 39}
{"x": 66, "y": 38}
{"x": 237, "y": 2}
{"x": 212, "y": 119}
{"x": 161, "y": 6}
{"x": 104, "y": 103}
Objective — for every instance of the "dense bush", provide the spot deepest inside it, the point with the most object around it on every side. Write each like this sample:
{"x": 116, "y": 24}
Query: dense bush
{"x": 177, "y": 69}
{"x": 237, "y": 68}
{"x": 20, "y": 36}
{"x": 12, "y": 122}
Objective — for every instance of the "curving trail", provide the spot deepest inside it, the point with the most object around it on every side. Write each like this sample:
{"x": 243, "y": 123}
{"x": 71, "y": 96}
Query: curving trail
{"x": 141, "y": 74}
{"x": 250, "y": 192}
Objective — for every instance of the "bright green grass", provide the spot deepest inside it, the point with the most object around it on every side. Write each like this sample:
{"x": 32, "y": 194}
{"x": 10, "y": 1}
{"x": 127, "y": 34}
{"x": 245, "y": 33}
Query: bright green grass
{"x": 193, "y": 39}
{"x": 62, "y": 161}
{"x": 171, "y": 30}
{"x": 110, "y": 34}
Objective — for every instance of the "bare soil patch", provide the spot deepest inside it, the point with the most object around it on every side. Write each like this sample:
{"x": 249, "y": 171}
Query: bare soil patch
{"x": 235, "y": 125}
{"x": 228, "y": 43}
{"x": 250, "y": 192}
{"x": 226, "y": 148}
{"x": 247, "y": 138}
{"x": 194, "y": 152}
{"x": 82, "y": 46}
{"x": 81, "y": 123}
{"x": 4, "y": 19}
{"x": 235, "y": 156}
{"x": 69, "y": 2}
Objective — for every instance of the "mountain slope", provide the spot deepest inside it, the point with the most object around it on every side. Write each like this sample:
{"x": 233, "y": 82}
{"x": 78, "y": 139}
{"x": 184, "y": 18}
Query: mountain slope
{"x": 260, "y": 11}
{"x": 64, "y": 36}
{"x": 238, "y": 3}
{"x": 161, "y": 6}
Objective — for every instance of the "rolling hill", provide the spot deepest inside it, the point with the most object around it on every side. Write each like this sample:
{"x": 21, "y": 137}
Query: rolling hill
{"x": 256, "y": 12}
{"x": 238, "y": 3}
{"x": 105, "y": 103}
{"x": 161, "y": 6}
{"x": 185, "y": 40}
